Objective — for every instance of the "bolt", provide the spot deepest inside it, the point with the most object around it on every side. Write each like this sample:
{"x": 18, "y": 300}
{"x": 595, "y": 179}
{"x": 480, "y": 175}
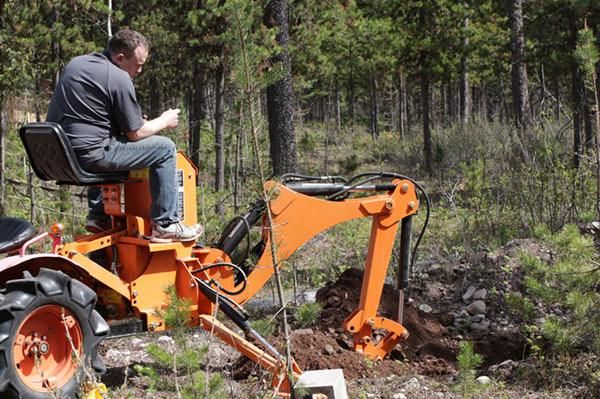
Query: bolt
{"x": 389, "y": 205}
{"x": 44, "y": 348}
{"x": 134, "y": 294}
{"x": 412, "y": 205}
{"x": 404, "y": 188}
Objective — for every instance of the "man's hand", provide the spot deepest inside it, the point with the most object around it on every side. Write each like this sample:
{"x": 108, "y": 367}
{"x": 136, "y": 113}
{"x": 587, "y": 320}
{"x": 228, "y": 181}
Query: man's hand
{"x": 167, "y": 120}
{"x": 170, "y": 117}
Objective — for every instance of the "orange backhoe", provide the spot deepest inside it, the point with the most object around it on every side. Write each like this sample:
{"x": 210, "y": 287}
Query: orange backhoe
{"x": 57, "y": 306}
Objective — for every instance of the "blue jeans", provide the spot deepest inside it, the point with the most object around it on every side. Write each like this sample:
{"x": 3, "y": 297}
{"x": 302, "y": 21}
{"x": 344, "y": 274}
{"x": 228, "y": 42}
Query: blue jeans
{"x": 156, "y": 152}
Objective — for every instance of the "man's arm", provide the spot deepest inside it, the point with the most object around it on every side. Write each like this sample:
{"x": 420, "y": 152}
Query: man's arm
{"x": 167, "y": 119}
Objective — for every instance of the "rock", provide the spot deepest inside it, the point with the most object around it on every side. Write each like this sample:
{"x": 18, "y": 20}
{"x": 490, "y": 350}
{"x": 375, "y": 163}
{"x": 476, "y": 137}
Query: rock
{"x": 478, "y": 318}
{"x": 434, "y": 269}
{"x": 476, "y": 307}
{"x": 468, "y": 294}
{"x": 399, "y": 395}
{"x": 413, "y": 384}
{"x": 460, "y": 322}
{"x": 480, "y": 294}
{"x": 137, "y": 343}
{"x": 435, "y": 290}
{"x": 334, "y": 300}
{"x": 329, "y": 349}
{"x": 504, "y": 370}
{"x": 425, "y": 308}
{"x": 480, "y": 327}
{"x": 483, "y": 380}
{"x": 112, "y": 353}
{"x": 478, "y": 258}
{"x": 303, "y": 331}
{"x": 165, "y": 339}
{"x": 448, "y": 318}
{"x": 508, "y": 363}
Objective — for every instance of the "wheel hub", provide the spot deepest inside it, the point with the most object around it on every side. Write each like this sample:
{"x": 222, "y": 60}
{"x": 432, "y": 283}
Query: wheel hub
{"x": 47, "y": 348}
{"x": 36, "y": 346}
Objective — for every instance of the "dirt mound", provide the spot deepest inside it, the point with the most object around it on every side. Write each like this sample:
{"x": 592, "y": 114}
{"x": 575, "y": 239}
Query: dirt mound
{"x": 440, "y": 315}
{"x": 428, "y": 348}
{"x": 320, "y": 350}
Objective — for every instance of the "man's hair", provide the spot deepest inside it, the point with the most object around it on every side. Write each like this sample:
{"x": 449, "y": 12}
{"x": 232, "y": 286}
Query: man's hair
{"x": 126, "y": 41}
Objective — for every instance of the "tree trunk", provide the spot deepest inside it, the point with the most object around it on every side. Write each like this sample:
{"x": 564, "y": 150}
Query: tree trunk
{"x": 466, "y": 102}
{"x": 431, "y": 98}
{"x": 374, "y": 107}
{"x": 198, "y": 112}
{"x": 338, "y": 111}
{"x": 577, "y": 98}
{"x": 588, "y": 125}
{"x": 427, "y": 147}
{"x": 351, "y": 89}
{"x": 155, "y": 100}
{"x": 280, "y": 96}
{"x": 239, "y": 163}
{"x": 219, "y": 127}
{"x": 520, "y": 83}
{"x": 3, "y": 132}
{"x": 401, "y": 105}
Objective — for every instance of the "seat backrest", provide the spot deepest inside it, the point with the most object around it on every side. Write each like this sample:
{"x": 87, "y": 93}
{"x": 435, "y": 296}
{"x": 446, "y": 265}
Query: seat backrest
{"x": 52, "y": 157}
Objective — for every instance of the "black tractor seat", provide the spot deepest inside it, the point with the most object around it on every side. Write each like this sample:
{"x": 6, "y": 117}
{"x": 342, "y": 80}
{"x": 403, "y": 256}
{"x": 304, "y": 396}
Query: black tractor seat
{"x": 52, "y": 157}
{"x": 14, "y": 232}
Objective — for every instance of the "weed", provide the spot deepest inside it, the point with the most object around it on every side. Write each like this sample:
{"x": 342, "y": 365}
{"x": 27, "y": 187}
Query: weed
{"x": 468, "y": 361}
{"x": 183, "y": 359}
{"x": 308, "y": 314}
{"x": 264, "y": 327}
{"x": 520, "y": 306}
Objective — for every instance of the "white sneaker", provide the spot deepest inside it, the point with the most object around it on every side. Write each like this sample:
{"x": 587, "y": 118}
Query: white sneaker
{"x": 175, "y": 232}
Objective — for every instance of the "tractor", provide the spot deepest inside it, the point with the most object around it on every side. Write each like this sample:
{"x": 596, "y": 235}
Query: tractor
{"x": 56, "y": 307}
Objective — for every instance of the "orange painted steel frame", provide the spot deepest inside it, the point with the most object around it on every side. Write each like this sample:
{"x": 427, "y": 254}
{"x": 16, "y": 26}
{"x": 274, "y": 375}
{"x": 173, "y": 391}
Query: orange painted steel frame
{"x": 297, "y": 218}
{"x": 144, "y": 270}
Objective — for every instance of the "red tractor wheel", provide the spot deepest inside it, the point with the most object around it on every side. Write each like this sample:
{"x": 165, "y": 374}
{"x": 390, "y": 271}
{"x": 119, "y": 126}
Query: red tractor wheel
{"x": 49, "y": 333}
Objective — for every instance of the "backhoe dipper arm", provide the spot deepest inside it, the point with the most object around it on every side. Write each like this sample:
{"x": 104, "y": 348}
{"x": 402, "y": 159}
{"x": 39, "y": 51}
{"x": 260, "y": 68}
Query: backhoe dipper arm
{"x": 298, "y": 217}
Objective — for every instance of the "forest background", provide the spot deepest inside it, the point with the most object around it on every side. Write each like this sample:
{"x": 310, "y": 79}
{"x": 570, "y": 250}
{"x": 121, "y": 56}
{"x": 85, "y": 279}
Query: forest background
{"x": 492, "y": 104}
{"x": 438, "y": 89}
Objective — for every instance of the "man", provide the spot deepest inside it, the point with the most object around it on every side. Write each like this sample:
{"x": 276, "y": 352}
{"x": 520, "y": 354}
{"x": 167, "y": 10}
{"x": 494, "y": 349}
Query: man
{"x": 95, "y": 103}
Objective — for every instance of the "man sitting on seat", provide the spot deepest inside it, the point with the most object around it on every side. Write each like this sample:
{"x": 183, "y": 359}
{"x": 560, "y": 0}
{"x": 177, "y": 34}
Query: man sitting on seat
{"x": 95, "y": 103}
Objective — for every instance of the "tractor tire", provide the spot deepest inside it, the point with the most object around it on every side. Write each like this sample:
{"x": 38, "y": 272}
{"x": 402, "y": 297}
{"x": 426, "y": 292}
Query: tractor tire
{"x": 49, "y": 336}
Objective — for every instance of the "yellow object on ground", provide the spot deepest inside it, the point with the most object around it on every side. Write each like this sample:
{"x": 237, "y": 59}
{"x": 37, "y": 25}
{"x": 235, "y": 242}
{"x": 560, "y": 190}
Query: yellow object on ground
{"x": 96, "y": 392}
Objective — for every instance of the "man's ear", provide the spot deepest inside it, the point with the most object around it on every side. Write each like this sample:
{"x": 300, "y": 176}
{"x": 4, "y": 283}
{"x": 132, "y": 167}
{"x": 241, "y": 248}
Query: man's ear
{"x": 118, "y": 58}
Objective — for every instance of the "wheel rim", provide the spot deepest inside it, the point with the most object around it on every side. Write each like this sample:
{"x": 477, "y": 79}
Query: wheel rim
{"x": 47, "y": 348}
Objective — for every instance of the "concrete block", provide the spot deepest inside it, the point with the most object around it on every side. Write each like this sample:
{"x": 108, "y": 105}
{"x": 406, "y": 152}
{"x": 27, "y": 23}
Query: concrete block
{"x": 329, "y": 383}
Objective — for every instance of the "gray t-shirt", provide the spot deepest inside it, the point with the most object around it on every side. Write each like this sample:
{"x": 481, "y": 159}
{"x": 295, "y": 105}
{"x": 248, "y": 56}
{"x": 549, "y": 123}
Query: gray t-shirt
{"x": 94, "y": 100}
